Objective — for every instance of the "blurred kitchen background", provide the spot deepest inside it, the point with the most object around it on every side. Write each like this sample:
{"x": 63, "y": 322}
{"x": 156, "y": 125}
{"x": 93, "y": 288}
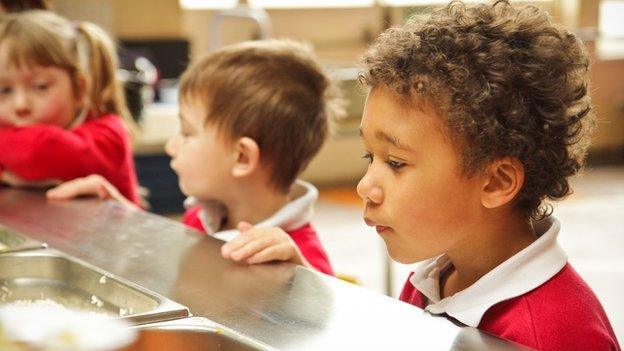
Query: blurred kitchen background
{"x": 169, "y": 32}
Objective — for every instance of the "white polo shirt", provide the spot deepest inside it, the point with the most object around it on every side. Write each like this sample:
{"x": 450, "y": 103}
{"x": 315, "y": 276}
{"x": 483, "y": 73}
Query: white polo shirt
{"x": 523, "y": 272}
{"x": 293, "y": 215}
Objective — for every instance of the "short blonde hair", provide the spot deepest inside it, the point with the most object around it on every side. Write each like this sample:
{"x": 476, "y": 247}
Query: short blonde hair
{"x": 272, "y": 91}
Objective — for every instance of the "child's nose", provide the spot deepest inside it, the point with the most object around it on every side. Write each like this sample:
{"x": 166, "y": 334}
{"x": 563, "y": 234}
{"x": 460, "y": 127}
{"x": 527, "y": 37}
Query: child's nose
{"x": 369, "y": 191}
{"x": 170, "y": 146}
{"x": 21, "y": 104}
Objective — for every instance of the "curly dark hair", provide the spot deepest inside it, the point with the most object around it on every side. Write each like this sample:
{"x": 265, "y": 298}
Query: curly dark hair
{"x": 508, "y": 82}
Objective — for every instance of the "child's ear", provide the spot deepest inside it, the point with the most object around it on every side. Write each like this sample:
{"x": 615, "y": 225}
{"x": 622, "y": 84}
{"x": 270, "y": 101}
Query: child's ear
{"x": 247, "y": 157}
{"x": 502, "y": 181}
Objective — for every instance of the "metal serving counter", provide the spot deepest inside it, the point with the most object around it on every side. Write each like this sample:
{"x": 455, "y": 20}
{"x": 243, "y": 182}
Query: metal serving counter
{"x": 281, "y": 305}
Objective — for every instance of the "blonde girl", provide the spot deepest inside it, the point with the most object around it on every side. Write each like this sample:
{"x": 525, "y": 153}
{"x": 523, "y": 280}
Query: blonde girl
{"x": 62, "y": 109}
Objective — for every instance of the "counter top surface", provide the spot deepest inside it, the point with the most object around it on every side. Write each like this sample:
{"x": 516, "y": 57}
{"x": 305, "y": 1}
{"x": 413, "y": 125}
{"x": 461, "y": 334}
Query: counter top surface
{"x": 283, "y": 305}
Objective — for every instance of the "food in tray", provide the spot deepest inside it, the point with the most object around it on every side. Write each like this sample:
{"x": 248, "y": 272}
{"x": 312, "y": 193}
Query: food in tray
{"x": 43, "y": 326}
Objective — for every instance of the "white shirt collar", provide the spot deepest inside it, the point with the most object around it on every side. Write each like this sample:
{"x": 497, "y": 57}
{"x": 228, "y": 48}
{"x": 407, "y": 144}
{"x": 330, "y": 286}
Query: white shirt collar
{"x": 520, "y": 274}
{"x": 293, "y": 215}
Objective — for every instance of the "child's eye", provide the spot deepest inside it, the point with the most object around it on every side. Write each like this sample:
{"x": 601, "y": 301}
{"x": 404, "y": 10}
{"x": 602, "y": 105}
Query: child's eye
{"x": 42, "y": 87}
{"x": 5, "y": 90}
{"x": 395, "y": 164}
{"x": 185, "y": 134}
{"x": 368, "y": 156}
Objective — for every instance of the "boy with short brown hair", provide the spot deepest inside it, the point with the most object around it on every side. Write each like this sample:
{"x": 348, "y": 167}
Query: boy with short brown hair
{"x": 274, "y": 92}
{"x": 252, "y": 117}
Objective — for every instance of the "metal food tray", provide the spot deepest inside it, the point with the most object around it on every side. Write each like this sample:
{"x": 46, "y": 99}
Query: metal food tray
{"x": 10, "y": 241}
{"x": 193, "y": 334}
{"x": 49, "y": 278}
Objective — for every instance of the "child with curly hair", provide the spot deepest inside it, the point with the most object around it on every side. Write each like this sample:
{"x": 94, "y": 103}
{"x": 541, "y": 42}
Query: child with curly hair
{"x": 475, "y": 116}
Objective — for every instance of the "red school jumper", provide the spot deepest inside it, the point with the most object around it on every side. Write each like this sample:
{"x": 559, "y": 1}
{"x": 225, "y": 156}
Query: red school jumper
{"x": 98, "y": 146}
{"x": 562, "y": 314}
{"x": 534, "y": 298}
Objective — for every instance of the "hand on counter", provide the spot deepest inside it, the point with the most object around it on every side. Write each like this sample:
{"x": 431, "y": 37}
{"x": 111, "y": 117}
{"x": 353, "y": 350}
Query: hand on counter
{"x": 259, "y": 245}
{"x": 93, "y": 185}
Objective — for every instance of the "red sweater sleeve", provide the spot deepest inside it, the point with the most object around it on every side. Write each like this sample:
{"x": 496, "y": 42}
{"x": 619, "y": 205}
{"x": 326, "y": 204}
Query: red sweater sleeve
{"x": 310, "y": 245}
{"x": 99, "y": 146}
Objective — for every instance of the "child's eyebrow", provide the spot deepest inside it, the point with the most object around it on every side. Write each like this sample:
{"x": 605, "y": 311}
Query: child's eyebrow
{"x": 182, "y": 118}
{"x": 183, "y": 121}
{"x": 390, "y": 139}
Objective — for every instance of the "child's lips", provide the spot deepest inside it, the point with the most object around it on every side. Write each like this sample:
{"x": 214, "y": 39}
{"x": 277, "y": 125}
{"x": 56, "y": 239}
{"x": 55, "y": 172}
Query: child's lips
{"x": 379, "y": 228}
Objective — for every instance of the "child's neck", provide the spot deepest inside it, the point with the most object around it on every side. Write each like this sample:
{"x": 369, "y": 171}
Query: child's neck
{"x": 490, "y": 246}
{"x": 253, "y": 205}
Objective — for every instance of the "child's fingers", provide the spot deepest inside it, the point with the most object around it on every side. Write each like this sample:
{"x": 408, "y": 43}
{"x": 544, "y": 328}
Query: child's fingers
{"x": 108, "y": 191}
{"x": 250, "y": 248}
{"x": 243, "y": 226}
{"x": 280, "y": 252}
{"x": 240, "y": 241}
{"x": 75, "y": 188}
{"x": 234, "y": 245}
{"x": 93, "y": 185}
{"x": 242, "y": 249}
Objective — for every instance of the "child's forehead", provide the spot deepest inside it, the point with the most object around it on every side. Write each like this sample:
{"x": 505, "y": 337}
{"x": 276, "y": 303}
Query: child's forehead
{"x": 399, "y": 110}
{"x": 16, "y": 57}
{"x": 192, "y": 110}
{"x": 11, "y": 70}
{"x": 392, "y": 119}
{"x": 194, "y": 113}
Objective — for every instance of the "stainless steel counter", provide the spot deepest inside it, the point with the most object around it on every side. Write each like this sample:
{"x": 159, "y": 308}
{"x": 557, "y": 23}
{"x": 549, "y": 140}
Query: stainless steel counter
{"x": 282, "y": 305}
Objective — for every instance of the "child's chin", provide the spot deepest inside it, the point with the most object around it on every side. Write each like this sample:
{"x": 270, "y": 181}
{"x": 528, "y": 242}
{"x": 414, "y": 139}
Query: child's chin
{"x": 400, "y": 255}
{"x": 183, "y": 189}
{"x": 402, "y": 259}
{"x": 397, "y": 255}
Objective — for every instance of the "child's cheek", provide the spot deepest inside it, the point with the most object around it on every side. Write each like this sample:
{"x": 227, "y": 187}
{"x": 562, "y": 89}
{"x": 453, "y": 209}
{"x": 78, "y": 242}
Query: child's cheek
{"x": 5, "y": 122}
{"x": 56, "y": 114}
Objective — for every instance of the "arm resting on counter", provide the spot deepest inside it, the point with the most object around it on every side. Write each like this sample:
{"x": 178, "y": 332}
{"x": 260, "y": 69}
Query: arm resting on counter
{"x": 93, "y": 185}
{"x": 49, "y": 152}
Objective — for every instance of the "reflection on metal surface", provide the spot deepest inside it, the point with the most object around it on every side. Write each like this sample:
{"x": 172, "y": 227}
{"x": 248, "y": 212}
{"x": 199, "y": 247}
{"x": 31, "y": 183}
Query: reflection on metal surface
{"x": 195, "y": 334}
{"x": 473, "y": 339}
{"x": 53, "y": 280}
{"x": 12, "y": 242}
{"x": 281, "y": 305}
